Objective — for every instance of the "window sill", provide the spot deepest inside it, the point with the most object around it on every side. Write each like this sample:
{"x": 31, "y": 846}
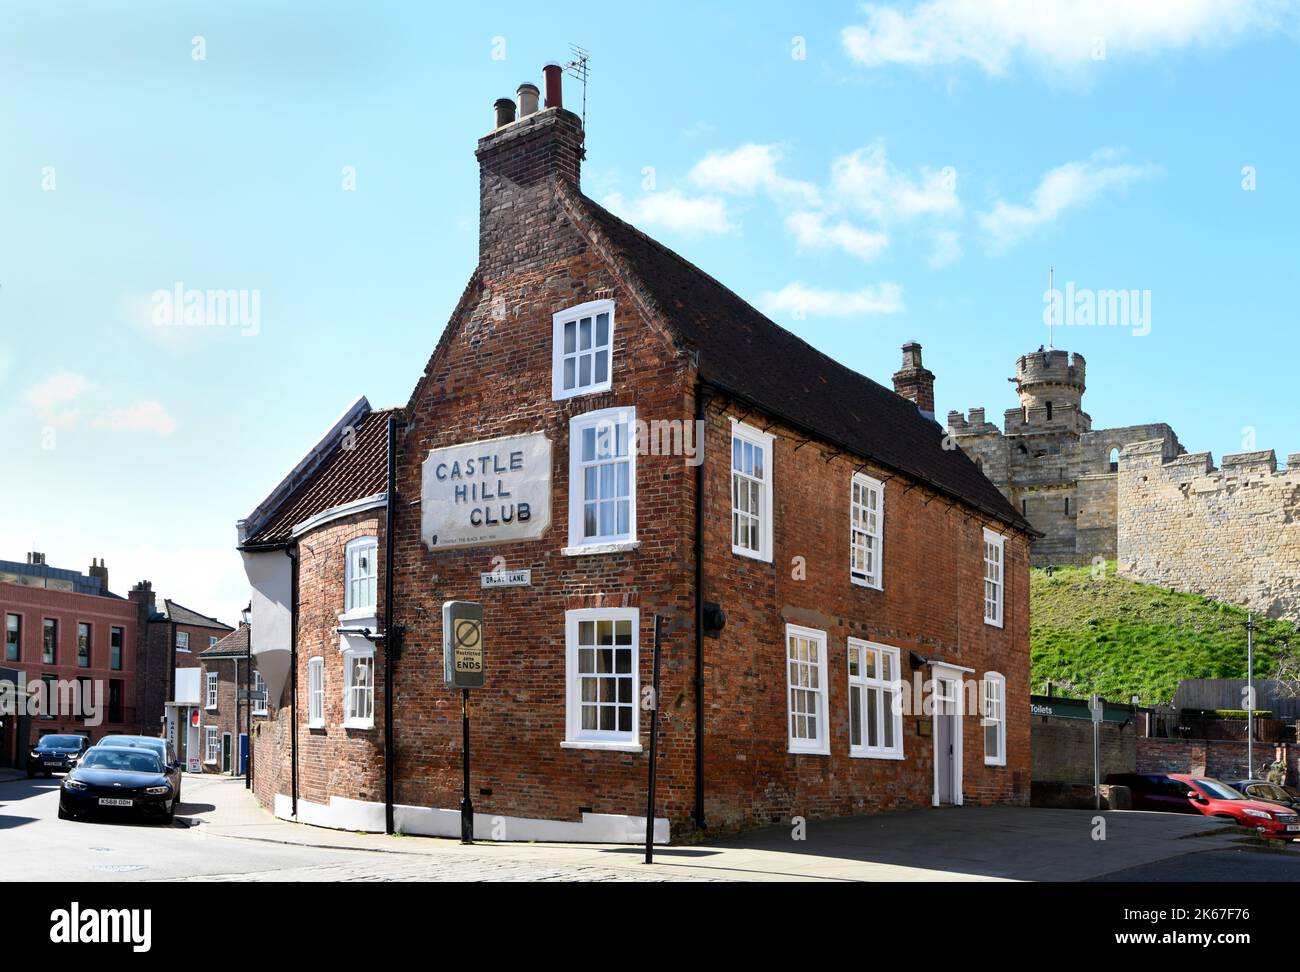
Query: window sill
{"x": 359, "y": 614}
{"x": 993, "y": 624}
{"x": 358, "y": 724}
{"x": 808, "y": 752}
{"x": 616, "y": 546}
{"x": 751, "y": 554}
{"x": 601, "y": 744}
{"x": 311, "y": 725}
{"x": 560, "y": 395}
{"x": 862, "y": 582}
{"x": 862, "y": 754}
{"x": 209, "y": 708}
{"x": 994, "y": 762}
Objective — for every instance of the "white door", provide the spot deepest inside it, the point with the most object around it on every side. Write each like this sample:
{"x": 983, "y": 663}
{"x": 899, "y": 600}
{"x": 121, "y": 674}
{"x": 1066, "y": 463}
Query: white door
{"x": 946, "y": 732}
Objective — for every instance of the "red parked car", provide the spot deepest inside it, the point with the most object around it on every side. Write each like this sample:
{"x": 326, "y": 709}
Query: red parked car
{"x": 1187, "y": 793}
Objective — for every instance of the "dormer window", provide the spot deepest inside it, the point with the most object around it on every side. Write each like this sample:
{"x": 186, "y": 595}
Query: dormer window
{"x": 582, "y": 359}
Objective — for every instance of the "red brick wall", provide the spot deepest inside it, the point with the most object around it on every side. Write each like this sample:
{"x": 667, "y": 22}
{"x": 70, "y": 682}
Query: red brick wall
{"x": 332, "y": 761}
{"x": 931, "y": 602}
{"x": 230, "y": 715}
{"x": 34, "y": 604}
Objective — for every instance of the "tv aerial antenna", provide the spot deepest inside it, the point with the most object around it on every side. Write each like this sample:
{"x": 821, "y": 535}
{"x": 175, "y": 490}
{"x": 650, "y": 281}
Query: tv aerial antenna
{"x": 580, "y": 67}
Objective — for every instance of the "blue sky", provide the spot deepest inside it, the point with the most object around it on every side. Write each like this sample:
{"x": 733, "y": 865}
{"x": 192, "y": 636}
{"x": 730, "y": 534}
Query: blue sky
{"x": 867, "y": 175}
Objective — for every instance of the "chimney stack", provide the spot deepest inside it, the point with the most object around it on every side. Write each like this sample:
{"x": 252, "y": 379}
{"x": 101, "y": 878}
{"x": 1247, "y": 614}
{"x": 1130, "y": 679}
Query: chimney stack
{"x": 36, "y": 558}
{"x": 520, "y": 162}
{"x": 914, "y": 381}
{"x": 98, "y": 569}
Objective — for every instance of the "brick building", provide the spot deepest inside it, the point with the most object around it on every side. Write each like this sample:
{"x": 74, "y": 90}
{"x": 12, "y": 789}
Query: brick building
{"x": 602, "y": 435}
{"x": 67, "y": 629}
{"x": 226, "y": 711}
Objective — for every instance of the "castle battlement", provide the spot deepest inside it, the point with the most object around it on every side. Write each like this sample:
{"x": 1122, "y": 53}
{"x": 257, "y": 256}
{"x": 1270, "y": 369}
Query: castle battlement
{"x": 1259, "y": 465}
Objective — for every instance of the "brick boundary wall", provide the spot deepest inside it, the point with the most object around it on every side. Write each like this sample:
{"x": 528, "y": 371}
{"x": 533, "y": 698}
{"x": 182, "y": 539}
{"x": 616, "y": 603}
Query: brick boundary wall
{"x": 1221, "y": 758}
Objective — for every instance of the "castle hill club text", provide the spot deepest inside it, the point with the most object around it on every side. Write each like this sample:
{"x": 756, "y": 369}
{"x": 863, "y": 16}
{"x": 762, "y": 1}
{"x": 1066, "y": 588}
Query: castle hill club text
{"x": 487, "y": 471}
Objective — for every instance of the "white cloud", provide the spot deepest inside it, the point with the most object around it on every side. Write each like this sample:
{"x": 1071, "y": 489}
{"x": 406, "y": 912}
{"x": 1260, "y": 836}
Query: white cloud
{"x": 58, "y": 389}
{"x": 1066, "y": 187}
{"x": 748, "y": 170}
{"x": 139, "y": 416}
{"x": 800, "y": 301}
{"x": 674, "y": 211}
{"x": 1059, "y": 34}
{"x": 813, "y": 231}
{"x": 866, "y": 180}
{"x": 947, "y": 248}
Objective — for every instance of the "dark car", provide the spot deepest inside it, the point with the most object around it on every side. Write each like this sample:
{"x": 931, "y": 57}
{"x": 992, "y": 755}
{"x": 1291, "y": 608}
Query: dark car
{"x": 56, "y": 752}
{"x": 1272, "y": 792}
{"x": 1188, "y": 793}
{"x": 166, "y": 752}
{"x": 119, "y": 781}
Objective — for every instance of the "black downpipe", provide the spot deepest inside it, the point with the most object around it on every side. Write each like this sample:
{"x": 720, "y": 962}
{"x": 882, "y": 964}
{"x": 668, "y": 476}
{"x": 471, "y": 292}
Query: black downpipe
{"x": 293, "y": 677}
{"x": 702, "y": 397}
{"x": 391, "y": 636}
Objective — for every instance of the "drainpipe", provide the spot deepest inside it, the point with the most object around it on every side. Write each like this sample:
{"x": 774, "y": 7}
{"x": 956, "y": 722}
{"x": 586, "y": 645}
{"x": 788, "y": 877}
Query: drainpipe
{"x": 293, "y": 677}
{"x": 702, "y": 398}
{"x": 391, "y": 636}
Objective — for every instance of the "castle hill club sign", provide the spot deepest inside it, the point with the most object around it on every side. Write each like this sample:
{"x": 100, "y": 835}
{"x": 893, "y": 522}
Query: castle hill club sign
{"x": 492, "y": 491}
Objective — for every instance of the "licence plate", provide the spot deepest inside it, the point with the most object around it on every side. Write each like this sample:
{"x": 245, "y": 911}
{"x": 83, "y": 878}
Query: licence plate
{"x": 114, "y": 802}
{"x": 1292, "y": 828}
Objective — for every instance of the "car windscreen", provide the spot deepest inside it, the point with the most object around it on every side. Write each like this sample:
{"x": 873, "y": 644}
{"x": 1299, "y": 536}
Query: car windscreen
{"x": 60, "y": 742}
{"x": 1267, "y": 791}
{"x": 133, "y": 742}
{"x": 1220, "y": 791}
{"x": 140, "y": 761}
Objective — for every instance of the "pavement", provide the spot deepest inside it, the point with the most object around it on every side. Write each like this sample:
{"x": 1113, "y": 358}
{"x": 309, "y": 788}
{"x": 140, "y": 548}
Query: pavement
{"x": 222, "y": 834}
{"x": 951, "y": 844}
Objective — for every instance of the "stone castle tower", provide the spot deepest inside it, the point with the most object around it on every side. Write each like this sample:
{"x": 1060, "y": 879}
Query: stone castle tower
{"x": 1049, "y": 461}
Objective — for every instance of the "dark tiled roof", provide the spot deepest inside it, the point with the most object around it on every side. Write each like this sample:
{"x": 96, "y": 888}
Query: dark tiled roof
{"x": 183, "y": 615}
{"x": 749, "y": 356}
{"x": 235, "y": 643}
{"x": 345, "y": 475}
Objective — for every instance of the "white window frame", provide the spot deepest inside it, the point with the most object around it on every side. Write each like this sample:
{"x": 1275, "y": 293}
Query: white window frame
{"x": 576, "y": 737}
{"x": 993, "y": 711}
{"x": 316, "y": 693}
{"x": 874, "y": 542}
{"x": 211, "y": 690}
{"x": 994, "y": 605}
{"x": 259, "y": 685}
{"x": 351, "y": 553}
{"x": 578, "y": 424}
{"x": 888, "y": 707}
{"x": 211, "y": 745}
{"x": 182, "y": 641}
{"x": 351, "y": 721}
{"x": 821, "y": 746}
{"x": 757, "y": 439}
{"x": 212, "y": 641}
{"x": 572, "y": 314}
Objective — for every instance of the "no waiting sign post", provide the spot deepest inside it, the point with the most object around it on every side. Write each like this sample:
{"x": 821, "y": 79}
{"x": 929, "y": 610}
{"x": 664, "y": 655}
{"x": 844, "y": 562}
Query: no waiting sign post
{"x": 462, "y": 653}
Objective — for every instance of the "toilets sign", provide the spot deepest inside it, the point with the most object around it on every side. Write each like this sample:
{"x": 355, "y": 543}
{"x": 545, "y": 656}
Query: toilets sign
{"x": 494, "y": 491}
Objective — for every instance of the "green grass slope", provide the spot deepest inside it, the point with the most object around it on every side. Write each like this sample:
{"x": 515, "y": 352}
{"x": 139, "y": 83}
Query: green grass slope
{"x": 1094, "y": 632}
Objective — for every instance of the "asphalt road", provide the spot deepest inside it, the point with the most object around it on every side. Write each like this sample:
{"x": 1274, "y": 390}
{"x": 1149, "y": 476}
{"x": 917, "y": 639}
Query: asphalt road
{"x": 37, "y": 846}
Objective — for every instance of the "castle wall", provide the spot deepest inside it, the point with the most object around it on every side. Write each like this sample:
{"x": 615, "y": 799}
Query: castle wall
{"x": 1232, "y": 533}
